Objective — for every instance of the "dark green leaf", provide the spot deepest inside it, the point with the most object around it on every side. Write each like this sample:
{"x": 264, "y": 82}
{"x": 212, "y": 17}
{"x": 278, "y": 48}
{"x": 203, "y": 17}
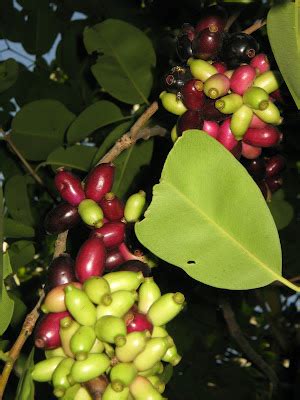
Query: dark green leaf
{"x": 20, "y": 311}
{"x": 17, "y": 199}
{"x": 21, "y": 253}
{"x": 285, "y": 17}
{"x": 93, "y": 117}
{"x": 39, "y": 127}
{"x": 204, "y": 226}
{"x": 25, "y": 389}
{"x": 124, "y": 68}
{"x": 281, "y": 210}
{"x": 15, "y": 229}
{"x": 167, "y": 374}
{"x": 8, "y": 166}
{"x": 111, "y": 139}
{"x": 1, "y": 240}
{"x": 129, "y": 164}
{"x": 8, "y": 73}
{"x": 6, "y": 304}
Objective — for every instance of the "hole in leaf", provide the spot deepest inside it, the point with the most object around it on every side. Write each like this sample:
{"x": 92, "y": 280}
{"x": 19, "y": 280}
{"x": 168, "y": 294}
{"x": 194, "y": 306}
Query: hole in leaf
{"x": 191, "y": 262}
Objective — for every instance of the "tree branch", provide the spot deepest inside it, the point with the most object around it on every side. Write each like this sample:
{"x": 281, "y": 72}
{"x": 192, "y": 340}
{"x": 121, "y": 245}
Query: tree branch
{"x": 257, "y": 25}
{"x": 245, "y": 346}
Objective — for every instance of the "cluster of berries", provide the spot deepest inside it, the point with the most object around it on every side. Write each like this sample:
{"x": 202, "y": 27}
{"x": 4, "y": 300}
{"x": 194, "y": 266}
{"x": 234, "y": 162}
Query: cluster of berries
{"x": 225, "y": 87}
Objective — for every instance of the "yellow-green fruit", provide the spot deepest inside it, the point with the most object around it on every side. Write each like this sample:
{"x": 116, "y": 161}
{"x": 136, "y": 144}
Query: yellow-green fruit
{"x": 174, "y": 134}
{"x": 121, "y": 302}
{"x": 201, "y": 69}
{"x": 142, "y": 389}
{"x": 80, "y": 306}
{"x": 98, "y": 347}
{"x": 93, "y": 366}
{"x": 115, "y": 391}
{"x": 171, "y": 356}
{"x": 240, "y": 121}
{"x": 96, "y": 287}
{"x": 71, "y": 392}
{"x": 166, "y": 308}
{"x": 67, "y": 329}
{"x": 270, "y": 115}
{"x": 58, "y": 352}
{"x": 256, "y": 98}
{"x": 124, "y": 280}
{"x": 157, "y": 383}
{"x": 153, "y": 352}
{"x": 82, "y": 342}
{"x": 43, "y": 370}
{"x": 109, "y": 350}
{"x": 134, "y": 206}
{"x": 135, "y": 344}
{"x": 91, "y": 213}
{"x": 60, "y": 377}
{"x": 159, "y": 331}
{"x": 111, "y": 329}
{"x": 123, "y": 372}
{"x": 149, "y": 292}
{"x": 229, "y": 103}
{"x": 269, "y": 81}
{"x": 156, "y": 369}
{"x": 172, "y": 104}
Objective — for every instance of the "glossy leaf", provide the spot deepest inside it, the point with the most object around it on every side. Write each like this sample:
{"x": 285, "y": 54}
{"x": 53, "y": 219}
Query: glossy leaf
{"x": 25, "y": 389}
{"x": 281, "y": 210}
{"x": 285, "y": 18}
{"x": 21, "y": 253}
{"x": 9, "y": 70}
{"x": 124, "y": 68}
{"x": 39, "y": 127}
{"x": 95, "y": 116}
{"x": 8, "y": 165}
{"x": 6, "y": 304}
{"x": 129, "y": 164}
{"x": 16, "y": 229}
{"x": 205, "y": 213}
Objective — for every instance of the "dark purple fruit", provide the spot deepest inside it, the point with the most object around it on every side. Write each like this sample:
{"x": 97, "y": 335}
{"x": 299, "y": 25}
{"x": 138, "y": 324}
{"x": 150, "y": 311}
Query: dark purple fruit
{"x": 61, "y": 218}
{"x": 99, "y": 181}
{"x": 189, "y": 120}
{"x": 262, "y": 137}
{"x": 212, "y": 17}
{"x": 112, "y": 233}
{"x": 176, "y": 78}
{"x": 184, "y": 47}
{"x": 188, "y": 29}
{"x": 113, "y": 259}
{"x": 207, "y": 44}
{"x": 135, "y": 266}
{"x": 256, "y": 168}
{"x": 69, "y": 187}
{"x": 264, "y": 190}
{"x": 238, "y": 48}
{"x": 112, "y": 207}
{"x": 274, "y": 165}
{"x": 210, "y": 112}
{"x": 46, "y": 334}
{"x": 90, "y": 259}
{"x": 274, "y": 183}
{"x": 60, "y": 272}
{"x": 192, "y": 94}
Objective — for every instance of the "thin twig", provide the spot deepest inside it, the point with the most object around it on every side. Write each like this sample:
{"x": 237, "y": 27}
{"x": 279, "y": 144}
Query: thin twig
{"x": 232, "y": 18}
{"x": 60, "y": 244}
{"x": 257, "y": 25}
{"x": 246, "y": 347}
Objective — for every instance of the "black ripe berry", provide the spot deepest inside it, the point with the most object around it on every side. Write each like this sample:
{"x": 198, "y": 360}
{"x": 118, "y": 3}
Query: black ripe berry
{"x": 176, "y": 78}
{"x": 238, "y": 48}
{"x": 184, "y": 47}
{"x": 214, "y": 16}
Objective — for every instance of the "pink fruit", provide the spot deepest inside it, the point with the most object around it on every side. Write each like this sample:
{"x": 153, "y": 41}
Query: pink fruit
{"x": 211, "y": 128}
{"x": 242, "y": 78}
{"x": 250, "y": 152}
{"x": 256, "y": 122}
{"x": 99, "y": 181}
{"x": 225, "y": 136}
{"x": 220, "y": 66}
{"x": 260, "y": 62}
{"x": 69, "y": 187}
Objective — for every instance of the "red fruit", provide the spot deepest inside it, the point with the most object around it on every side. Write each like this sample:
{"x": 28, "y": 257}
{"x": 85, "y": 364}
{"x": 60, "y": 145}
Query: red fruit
{"x": 46, "y": 334}
{"x": 237, "y": 150}
{"x": 250, "y": 152}
{"x": 99, "y": 181}
{"x": 262, "y": 137}
{"x": 212, "y": 17}
{"x": 220, "y": 66}
{"x": 90, "y": 259}
{"x": 69, "y": 187}
{"x": 260, "y": 62}
{"x": 60, "y": 271}
{"x": 192, "y": 94}
{"x": 211, "y": 128}
{"x": 137, "y": 322}
{"x": 207, "y": 44}
{"x": 114, "y": 258}
{"x": 274, "y": 183}
{"x": 210, "y": 112}
{"x": 112, "y": 207}
{"x": 256, "y": 122}
{"x": 274, "y": 165}
{"x": 189, "y": 120}
{"x": 226, "y": 137}
{"x": 242, "y": 78}
{"x": 61, "y": 218}
{"x": 112, "y": 233}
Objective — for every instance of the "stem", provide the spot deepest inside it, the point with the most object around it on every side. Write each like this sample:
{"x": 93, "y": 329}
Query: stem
{"x": 257, "y": 25}
{"x": 232, "y": 18}
{"x": 288, "y": 283}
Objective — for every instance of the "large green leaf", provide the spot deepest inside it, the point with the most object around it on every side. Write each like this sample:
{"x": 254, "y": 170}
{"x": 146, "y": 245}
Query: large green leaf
{"x": 16, "y": 229}
{"x": 93, "y": 117}
{"x": 9, "y": 70}
{"x": 129, "y": 164}
{"x": 8, "y": 166}
{"x": 39, "y": 127}
{"x": 1, "y": 239}
{"x": 284, "y": 18}
{"x": 281, "y": 210}
{"x": 17, "y": 199}
{"x": 208, "y": 217}
{"x": 25, "y": 389}
{"x": 6, "y": 304}
{"x": 124, "y": 68}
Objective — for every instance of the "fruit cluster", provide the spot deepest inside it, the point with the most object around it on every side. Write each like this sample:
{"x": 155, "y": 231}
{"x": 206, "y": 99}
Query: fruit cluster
{"x": 111, "y": 328}
{"x": 225, "y": 87}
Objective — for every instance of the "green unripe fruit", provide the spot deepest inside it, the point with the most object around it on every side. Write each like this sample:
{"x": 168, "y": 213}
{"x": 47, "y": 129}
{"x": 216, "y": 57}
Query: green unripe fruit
{"x": 96, "y": 287}
{"x": 142, "y": 389}
{"x": 134, "y": 206}
{"x": 91, "y": 213}
{"x": 153, "y": 352}
{"x": 171, "y": 103}
{"x": 43, "y": 370}
{"x": 115, "y": 391}
{"x": 82, "y": 342}
{"x": 269, "y": 81}
{"x": 68, "y": 327}
{"x": 109, "y": 350}
{"x": 171, "y": 356}
{"x": 124, "y": 280}
{"x": 201, "y": 69}
{"x": 93, "y": 366}
{"x": 174, "y": 134}
{"x": 240, "y": 121}
{"x": 58, "y": 352}
{"x": 111, "y": 329}
{"x": 156, "y": 369}
{"x": 71, "y": 392}
{"x": 256, "y": 98}
{"x": 157, "y": 383}
{"x": 149, "y": 292}
{"x": 60, "y": 377}
{"x": 123, "y": 372}
{"x": 166, "y": 308}
{"x": 159, "y": 331}
{"x": 135, "y": 344}
{"x": 121, "y": 302}
{"x": 229, "y": 104}
{"x": 98, "y": 347}
{"x": 270, "y": 115}
{"x": 82, "y": 394}
{"x": 80, "y": 306}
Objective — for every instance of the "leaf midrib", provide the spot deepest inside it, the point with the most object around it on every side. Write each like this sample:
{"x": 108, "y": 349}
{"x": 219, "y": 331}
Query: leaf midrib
{"x": 223, "y": 231}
